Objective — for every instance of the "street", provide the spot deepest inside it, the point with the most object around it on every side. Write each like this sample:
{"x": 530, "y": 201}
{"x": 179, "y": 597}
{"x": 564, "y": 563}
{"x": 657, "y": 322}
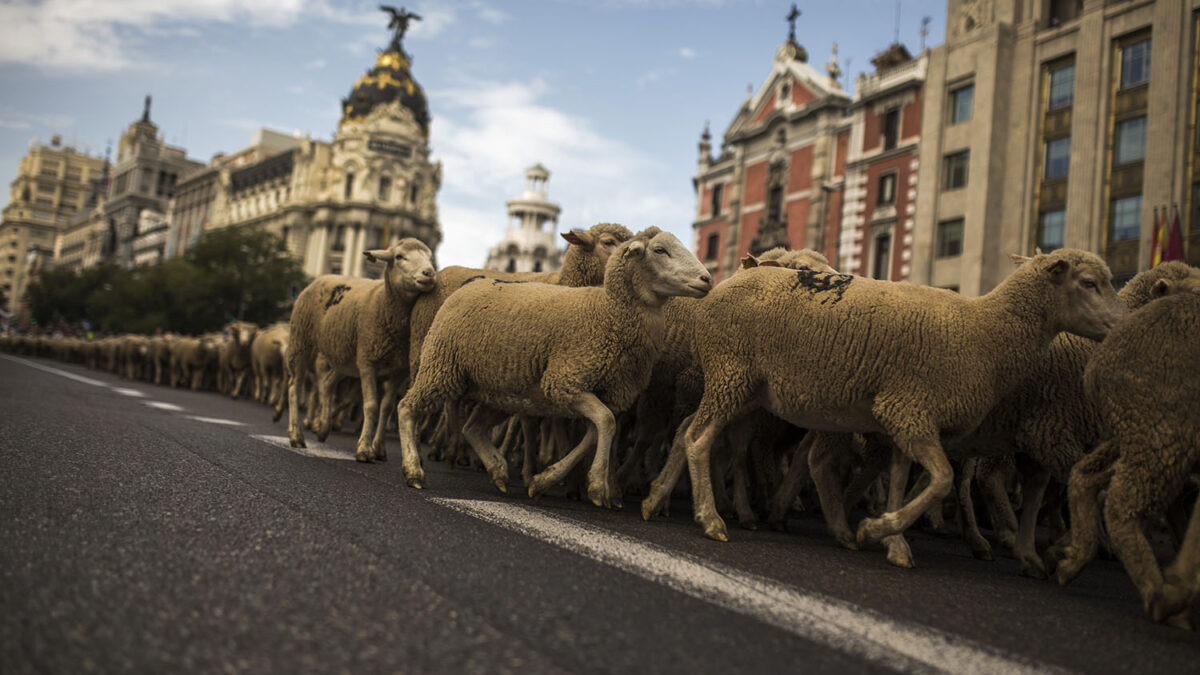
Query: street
{"x": 157, "y": 530}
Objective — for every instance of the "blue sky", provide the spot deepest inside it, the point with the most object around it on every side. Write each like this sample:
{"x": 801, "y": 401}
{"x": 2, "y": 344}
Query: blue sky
{"x": 610, "y": 95}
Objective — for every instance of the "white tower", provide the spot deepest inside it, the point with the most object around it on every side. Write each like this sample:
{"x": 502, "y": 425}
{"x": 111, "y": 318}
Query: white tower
{"x": 528, "y": 245}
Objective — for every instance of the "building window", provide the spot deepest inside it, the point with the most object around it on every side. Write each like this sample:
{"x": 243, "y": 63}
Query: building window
{"x": 1064, "y": 10}
{"x": 1131, "y": 141}
{"x": 412, "y": 193}
{"x": 883, "y": 256}
{"x": 961, "y": 101}
{"x": 950, "y": 238}
{"x": 718, "y": 192}
{"x": 512, "y": 266}
{"x": 537, "y": 265}
{"x": 785, "y": 92}
{"x": 147, "y": 181}
{"x": 891, "y": 128}
{"x": 1051, "y": 226}
{"x": 1126, "y": 218}
{"x": 887, "y": 190}
{"x": 714, "y": 242}
{"x": 1135, "y": 63}
{"x": 954, "y": 170}
{"x": 1058, "y": 157}
{"x": 1062, "y": 87}
{"x": 348, "y": 189}
{"x": 339, "y": 237}
{"x": 775, "y": 204}
{"x": 385, "y": 188}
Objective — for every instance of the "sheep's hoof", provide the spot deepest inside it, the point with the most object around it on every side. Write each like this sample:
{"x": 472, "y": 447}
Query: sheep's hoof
{"x": 652, "y": 506}
{"x": 297, "y": 443}
{"x": 379, "y": 451}
{"x": 1031, "y": 566}
{"x": 983, "y": 554}
{"x": 867, "y": 532}
{"x": 501, "y": 484}
{"x": 538, "y": 486}
{"x": 846, "y": 540}
{"x": 1068, "y": 570}
{"x": 1169, "y": 604}
{"x": 716, "y": 531}
{"x": 417, "y": 482}
{"x": 276, "y": 415}
{"x": 898, "y": 552}
{"x": 604, "y": 496}
{"x": 363, "y": 457}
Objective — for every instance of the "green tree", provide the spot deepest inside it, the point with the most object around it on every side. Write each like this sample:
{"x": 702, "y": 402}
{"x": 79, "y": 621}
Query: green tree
{"x": 245, "y": 273}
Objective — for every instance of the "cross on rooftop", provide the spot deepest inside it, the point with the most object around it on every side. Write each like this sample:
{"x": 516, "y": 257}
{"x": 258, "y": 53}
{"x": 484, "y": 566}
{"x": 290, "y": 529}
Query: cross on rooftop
{"x": 791, "y": 17}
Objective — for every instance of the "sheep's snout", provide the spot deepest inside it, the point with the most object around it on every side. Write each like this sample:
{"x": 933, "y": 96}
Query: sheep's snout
{"x": 427, "y": 278}
{"x": 702, "y": 285}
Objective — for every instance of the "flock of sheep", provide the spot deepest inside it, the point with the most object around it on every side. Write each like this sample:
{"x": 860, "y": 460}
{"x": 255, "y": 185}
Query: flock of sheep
{"x": 1053, "y": 391}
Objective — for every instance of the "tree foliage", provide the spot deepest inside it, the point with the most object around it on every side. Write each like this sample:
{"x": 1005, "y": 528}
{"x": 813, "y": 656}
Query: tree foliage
{"x": 233, "y": 273}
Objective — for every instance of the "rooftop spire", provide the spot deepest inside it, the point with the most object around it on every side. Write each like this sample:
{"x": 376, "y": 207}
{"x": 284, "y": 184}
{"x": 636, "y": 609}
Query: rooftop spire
{"x": 791, "y": 17}
{"x": 398, "y": 24}
{"x": 146, "y": 110}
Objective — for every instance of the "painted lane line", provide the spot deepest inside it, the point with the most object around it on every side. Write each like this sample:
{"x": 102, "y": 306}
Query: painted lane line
{"x": 129, "y": 392}
{"x": 216, "y": 420}
{"x": 164, "y": 406}
{"x": 318, "y": 451}
{"x": 848, "y": 628}
{"x": 56, "y": 371}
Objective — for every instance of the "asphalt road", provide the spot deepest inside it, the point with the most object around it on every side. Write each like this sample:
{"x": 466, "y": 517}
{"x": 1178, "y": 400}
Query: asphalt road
{"x": 155, "y": 530}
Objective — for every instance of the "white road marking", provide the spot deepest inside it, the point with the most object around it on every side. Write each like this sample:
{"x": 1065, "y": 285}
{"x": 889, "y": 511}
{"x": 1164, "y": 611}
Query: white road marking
{"x": 313, "y": 450}
{"x": 853, "y": 630}
{"x": 164, "y": 406}
{"x": 216, "y": 420}
{"x": 56, "y": 371}
{"x": 129, "y": 392}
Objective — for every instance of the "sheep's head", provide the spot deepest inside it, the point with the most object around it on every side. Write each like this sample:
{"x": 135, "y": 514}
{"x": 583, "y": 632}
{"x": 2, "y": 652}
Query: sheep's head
{"x": 589, "y": 251}
{"x": 1165, "y": 287}
{"x": 803, "y": 259}
{"x": 1177, "y": 274}
{"x": 668, "y": 268}
{"x": 242, "y": 333}
{"x": 409, "y": 266}
{"x": 1083, "y": 302}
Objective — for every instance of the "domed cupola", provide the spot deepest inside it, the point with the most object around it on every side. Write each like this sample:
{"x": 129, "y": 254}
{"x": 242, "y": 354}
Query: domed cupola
{"x": 390, "y": 80}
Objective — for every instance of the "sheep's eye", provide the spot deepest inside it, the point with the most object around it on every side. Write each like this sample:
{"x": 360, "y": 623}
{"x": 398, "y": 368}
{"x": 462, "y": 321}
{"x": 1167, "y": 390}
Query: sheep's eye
{"x": 400, "y": 257}
{"x": 609, "y": 242}
{"x": 660, "y": 250}
{"x": 1089, "y": 284}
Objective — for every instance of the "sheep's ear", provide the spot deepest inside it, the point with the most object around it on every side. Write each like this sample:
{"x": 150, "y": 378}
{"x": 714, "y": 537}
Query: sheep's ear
{"x": 636, "y": 248}
{"x": 1018, "y": 260}
{"x": 1037, "y": 251}
{"x": 1057, "y": 268}
{"x": 769, "y": 263}
{"x": 749, "y": 261}
{"x": 1160, "y": 288}
{"x": 380, "y": 255}
{"x": 578, "y": 238}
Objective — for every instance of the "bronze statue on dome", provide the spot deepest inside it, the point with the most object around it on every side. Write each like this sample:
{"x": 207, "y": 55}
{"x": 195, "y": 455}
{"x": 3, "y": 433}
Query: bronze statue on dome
{"x": 399, "y": 24}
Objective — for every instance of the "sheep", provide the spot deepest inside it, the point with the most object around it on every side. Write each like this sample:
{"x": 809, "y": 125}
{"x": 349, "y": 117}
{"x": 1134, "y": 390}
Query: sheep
{"x": 361, "y": 328}
{"x": 234, "y": 359}
{"x": 160, "y": 356}
{"x": 551, "y": 351}
{"x": 267, "y": 355}
{"x": 846, "y": 354}
{"x": 1048, "y": 419}
{"x": 192, "y": 358}
{"x": 1145, "y": 381}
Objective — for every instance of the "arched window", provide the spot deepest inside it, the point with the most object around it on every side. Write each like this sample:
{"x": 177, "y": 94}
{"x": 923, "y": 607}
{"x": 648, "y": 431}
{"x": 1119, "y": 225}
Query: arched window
{"x": 512, "y": 265}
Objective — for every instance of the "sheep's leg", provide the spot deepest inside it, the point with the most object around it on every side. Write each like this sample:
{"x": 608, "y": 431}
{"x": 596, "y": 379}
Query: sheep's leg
{"x": 739, "y": 440}
{"x": 927, "y": 452}
{"x": 700, "y": 436}
{"x": 1088, "y": 477}
{"x": 477, "y": 431}
{"x": 1127, "y": 503}
{"x": 327, "y": 381}
{"x": 414, "y": 404}
{"x": 898, "y": 552}
{"x": 281, "y": 398}
{"x": 1026, "y": 550}
{"x": 980, "y": 548}
{"x": 797, "y": 475}
{"x": 999, "y": 506}
{"x": 197, "y": 378}
{"x": 295, "y": 428}
{"x": 386, "y": 406}
{"x": 601, "y": 488}
{"x": 557, "y": 471}
{"x": 822, "y": 463}
{"x": 664, "y": 483}
{"x": 365, "y": 451}
{"x": 1181, "y": 581}
{"x": 238, "y": 383}
{"x": 528, "y": 457}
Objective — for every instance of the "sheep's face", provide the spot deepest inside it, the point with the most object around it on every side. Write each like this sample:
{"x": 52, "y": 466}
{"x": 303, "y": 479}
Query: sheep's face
{"x": 409, "y": 266}
{"x": 242, "y": 332}
{"x": 673, "y": 269}
{"x": 1089, "y": 306}
{"x": 600, "y": 241}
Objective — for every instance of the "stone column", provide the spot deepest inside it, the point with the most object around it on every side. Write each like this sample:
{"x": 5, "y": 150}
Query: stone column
{"x": 314, "y": 257}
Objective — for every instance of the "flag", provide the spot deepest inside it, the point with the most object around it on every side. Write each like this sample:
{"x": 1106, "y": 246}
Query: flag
{"x": 1174, "y": 246}
{"x": 1156, "y": 243}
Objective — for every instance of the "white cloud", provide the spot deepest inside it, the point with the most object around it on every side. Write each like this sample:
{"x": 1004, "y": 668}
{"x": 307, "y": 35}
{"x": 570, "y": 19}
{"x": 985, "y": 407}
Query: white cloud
{"x": 315, "y": 64}
{"x": 104, "y": 35}
{"x": 487, "y": 133}
{"x": 687, "y": 52}
{"x": 650, "y": 77}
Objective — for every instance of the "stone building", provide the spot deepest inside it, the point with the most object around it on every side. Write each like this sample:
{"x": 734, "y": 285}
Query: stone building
{"x": 330, "y": 201}
{"x": 1056, "y": 123}
{"x": 531, "y": 241}
{"x": 89, "y": 233}
{"x": 776, "y": 180}
{"x": 144, "y": 179}
{"x": 51, "y": 186}
{"x": 881, "y": 159}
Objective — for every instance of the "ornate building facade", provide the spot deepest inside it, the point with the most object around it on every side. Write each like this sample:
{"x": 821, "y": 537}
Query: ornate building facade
{"x": 51, "y": 186}
{"x": 329, "y": 201}
{"x": 530, "y": 242}
{"x": 774, "y": 180}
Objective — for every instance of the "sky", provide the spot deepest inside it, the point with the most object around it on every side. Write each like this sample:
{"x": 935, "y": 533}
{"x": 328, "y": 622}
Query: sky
{"x": 610, "y": 95}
